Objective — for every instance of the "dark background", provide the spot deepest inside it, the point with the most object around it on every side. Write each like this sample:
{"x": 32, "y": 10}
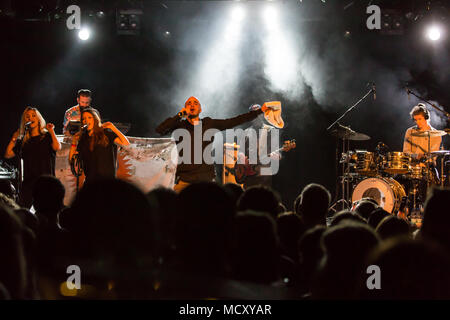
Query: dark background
{"x": 142, "y": 79}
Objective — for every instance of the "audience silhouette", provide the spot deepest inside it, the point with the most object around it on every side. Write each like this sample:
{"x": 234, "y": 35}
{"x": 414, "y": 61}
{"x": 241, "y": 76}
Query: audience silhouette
{"x": 220, "y": 242}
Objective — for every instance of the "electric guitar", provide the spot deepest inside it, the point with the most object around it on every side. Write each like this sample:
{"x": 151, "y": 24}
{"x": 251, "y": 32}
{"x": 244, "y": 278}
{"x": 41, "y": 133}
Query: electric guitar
{"x": 243, "y": 170}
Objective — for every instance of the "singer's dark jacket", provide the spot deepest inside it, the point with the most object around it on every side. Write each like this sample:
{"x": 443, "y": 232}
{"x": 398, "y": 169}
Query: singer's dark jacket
{"x": 200, "y": 172}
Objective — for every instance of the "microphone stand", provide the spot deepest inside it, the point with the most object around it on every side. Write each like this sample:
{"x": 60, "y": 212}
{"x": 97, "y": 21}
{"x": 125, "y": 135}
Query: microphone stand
{"x": 76, "y": 166}
{"x": 372, "y": 90}
{"x": 344, "y": 181}
{"x": 20, "y": 156}
{"x": 429, "y": 102}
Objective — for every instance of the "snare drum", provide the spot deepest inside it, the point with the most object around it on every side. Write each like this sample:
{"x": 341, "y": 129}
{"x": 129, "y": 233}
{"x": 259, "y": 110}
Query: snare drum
{"x": 387, "y": 192}
{"x": 417, "y": 171}
{"x": 365, "y": 163}
{"x": 397, "y": 163}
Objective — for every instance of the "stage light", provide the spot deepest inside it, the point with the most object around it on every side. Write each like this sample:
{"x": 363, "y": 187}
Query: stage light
{"x": 269, "y": 13}
{"x": 434, "y": 33}
{"x": 279, "y": 47}
{"x": 128, "y": 22}
{"x": 84, "y": 34}
{"x": 217, "y": 74}
{"x": 238, "y": 13}
{"x": 392, "y": 22}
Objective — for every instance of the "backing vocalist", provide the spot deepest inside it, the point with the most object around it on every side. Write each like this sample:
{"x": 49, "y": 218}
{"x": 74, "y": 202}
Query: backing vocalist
{"x": 36, "y": 144}
{"x": 96, "y": 144}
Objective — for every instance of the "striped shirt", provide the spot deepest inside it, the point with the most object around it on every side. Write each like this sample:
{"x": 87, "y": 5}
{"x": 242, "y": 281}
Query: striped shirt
{"x": 72, "y": 114}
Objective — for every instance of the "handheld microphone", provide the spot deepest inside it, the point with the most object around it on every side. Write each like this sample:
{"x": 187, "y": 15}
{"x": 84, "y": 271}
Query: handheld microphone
{"x": 83, "y": 128}
{"x": 182, "y": 114}
{"x": 374, "y": 89}
{"x": 27, "y": 125}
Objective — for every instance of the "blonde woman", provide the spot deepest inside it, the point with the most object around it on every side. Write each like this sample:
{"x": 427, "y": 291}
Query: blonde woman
{"x": 35, "y": 142}
{"x": 96, "y": 146}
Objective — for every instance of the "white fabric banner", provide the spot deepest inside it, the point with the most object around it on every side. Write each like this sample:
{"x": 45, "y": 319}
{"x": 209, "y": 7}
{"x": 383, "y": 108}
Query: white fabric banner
{"x": 146, "y": 162}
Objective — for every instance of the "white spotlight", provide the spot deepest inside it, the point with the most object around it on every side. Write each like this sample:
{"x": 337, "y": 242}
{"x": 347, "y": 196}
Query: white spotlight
{"x": 238, "y": 13}
{"x": 84, "y": 34}
{"x": 434, "y": 33}
{"x": 269, "y": 13}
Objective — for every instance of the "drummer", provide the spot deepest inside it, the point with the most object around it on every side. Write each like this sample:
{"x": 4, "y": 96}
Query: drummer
{"x": 418, "y": 146}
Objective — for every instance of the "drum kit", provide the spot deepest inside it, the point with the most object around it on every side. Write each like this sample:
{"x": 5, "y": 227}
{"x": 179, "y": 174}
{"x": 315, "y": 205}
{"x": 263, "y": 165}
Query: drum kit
{"x": 398, "y": 181}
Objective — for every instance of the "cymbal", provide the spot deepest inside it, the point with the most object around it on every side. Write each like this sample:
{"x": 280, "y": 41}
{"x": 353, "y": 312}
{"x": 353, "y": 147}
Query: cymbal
{"x": 441, "y": 152}
{"x": 358, "y": 136}
{"x": 351, "y": 135}
{"x": 434, "y": 133}
{"x": 347, "y": 133}
{"x": 341, "y": 129}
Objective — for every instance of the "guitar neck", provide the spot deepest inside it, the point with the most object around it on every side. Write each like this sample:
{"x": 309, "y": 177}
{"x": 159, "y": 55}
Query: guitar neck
{"x": 282, "y": 148}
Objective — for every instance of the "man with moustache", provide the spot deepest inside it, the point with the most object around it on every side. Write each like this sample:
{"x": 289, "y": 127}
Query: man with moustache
{"x": 84, "y": 99}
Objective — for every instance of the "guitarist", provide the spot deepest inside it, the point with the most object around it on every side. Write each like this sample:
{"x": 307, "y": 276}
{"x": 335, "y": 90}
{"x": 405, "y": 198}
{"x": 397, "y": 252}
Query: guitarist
{"x": 253, "y": 172}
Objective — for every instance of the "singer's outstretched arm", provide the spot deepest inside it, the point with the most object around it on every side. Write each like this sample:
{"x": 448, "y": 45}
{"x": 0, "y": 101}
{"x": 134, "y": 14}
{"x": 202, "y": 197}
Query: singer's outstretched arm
{"x": 12, "y": 143}
{"x": 56, "y": 145}
{"x": 121, "y": 139}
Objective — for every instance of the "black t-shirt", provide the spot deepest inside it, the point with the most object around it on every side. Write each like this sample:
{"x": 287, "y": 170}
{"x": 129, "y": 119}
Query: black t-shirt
{"x": 38, "y": 156}
{"x": 100, "y": 162}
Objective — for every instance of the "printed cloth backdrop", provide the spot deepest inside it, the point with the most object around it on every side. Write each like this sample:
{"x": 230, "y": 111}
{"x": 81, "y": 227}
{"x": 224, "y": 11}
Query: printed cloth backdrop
{"x": 146, "y": 162}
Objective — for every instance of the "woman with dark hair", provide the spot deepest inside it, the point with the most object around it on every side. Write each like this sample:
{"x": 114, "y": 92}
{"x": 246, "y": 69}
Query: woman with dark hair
{"x": 96, "y": 146}
{"x": 35, "y": 142}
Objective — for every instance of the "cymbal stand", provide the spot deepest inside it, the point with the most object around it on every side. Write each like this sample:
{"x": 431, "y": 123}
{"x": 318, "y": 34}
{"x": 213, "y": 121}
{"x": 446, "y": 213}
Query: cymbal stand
{"x": 344, "y": 177}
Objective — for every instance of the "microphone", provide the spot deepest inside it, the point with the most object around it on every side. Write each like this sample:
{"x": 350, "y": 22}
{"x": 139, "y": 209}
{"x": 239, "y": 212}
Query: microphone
{"x": 27, "y": 125}
{"x": 374, "y": 89}
{"x": 83, "y": 128}
{"x": 182, "y": 114}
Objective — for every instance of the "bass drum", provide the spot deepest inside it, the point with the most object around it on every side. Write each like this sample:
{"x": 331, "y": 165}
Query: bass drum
{"x": 387, "y": 192}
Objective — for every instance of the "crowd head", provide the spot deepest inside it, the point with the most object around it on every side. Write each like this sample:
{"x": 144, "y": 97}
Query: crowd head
{"x": 220, "y": 241}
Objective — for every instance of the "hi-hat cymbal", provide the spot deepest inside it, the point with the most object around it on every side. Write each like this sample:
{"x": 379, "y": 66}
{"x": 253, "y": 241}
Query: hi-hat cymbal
{"x": 433, "y": 133}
